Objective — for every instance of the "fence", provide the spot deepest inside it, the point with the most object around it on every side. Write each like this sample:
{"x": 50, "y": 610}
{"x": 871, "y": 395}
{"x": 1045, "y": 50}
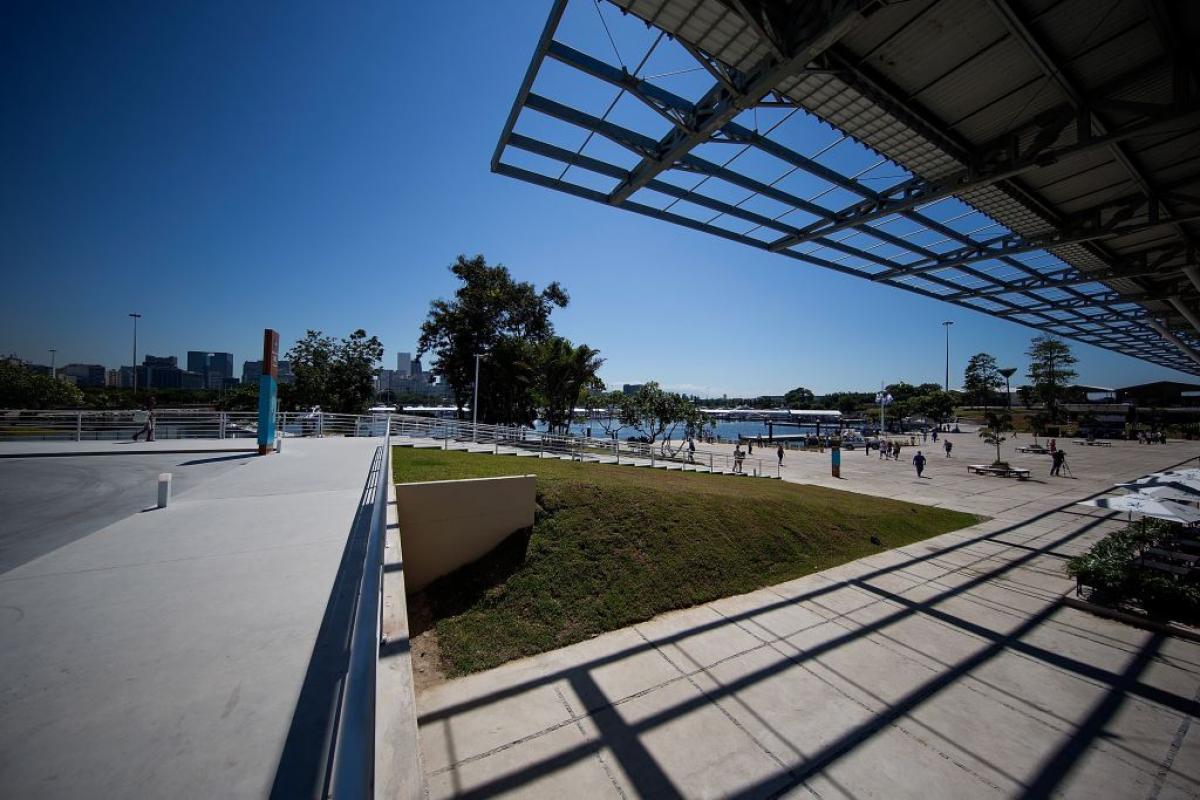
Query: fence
{"x": 26, "y": 425}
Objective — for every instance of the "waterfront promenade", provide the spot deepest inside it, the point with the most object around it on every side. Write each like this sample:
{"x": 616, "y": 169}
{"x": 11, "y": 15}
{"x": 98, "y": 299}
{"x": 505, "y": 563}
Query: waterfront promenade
{"x": 949, "y": 668}
{"x": 173, "y": 652}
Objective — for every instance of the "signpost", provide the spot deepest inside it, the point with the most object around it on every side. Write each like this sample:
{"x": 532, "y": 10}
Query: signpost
{"x": 268, "y": 389}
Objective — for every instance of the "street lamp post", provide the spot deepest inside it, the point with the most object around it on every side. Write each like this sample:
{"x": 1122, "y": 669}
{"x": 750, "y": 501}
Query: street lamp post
{"x": 53, "y": 353}
{"x": 947, "y": 325}
{"x": 136, "y": 317}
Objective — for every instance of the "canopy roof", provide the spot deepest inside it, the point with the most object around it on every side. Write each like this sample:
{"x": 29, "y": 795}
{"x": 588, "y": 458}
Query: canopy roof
{"x": 1037, "y": 160}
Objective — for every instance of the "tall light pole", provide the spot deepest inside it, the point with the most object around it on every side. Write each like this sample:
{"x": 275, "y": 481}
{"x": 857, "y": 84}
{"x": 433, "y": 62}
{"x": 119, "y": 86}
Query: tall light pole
{"x": 136, "y": 317}
{"x": 947, "y": 325}
{"x": 53, "y": 352}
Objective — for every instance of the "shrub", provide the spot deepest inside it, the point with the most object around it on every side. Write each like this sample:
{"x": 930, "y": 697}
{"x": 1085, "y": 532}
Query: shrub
{"x": 1110, "y": 568}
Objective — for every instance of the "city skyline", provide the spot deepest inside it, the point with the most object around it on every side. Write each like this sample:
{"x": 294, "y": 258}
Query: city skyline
{"x": 262, "y": 205}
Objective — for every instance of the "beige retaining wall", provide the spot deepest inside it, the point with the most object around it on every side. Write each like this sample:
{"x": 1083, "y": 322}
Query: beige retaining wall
{"x": 447, "y": 524}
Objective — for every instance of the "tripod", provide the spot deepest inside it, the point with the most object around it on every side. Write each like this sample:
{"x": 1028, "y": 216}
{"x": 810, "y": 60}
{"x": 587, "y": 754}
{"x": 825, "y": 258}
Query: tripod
{"x": 1066, "y": 468}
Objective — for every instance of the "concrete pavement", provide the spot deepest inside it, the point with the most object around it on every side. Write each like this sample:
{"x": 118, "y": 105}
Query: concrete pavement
{"x": 178, "y": 652}
{"x": 948, "y": 668}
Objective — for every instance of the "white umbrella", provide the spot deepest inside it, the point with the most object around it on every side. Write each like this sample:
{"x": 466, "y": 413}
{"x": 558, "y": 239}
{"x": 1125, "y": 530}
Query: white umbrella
{"x": 1192, "y": 474}
{"x": 1147, "y": 506}
{"x": 1165, "y": 491}
{"x": 1180, "y": 488}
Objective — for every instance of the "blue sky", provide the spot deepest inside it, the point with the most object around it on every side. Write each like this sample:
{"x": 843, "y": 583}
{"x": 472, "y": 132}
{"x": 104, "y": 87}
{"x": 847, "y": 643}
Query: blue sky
{"x": 223, "y": 167}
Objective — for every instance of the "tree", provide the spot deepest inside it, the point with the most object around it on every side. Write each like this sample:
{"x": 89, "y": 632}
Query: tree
{"x": 799, "y": 398}
{"x": 1025, "y": 395}
{"x": 487, "y": 307}
{"x": 937, "y": 405}
{"x": 21, "y": 387}
{"x": 338, "y": 376}
{"x": 993, "y": 433}
{"x": 981, "y": 379}
{"x": 654, "y": 413}
{"x": 1050, "y": 370}
{"x": 565, "y": 371}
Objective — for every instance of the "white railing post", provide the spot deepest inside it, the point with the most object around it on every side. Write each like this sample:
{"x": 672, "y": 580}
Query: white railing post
{"x": 320, "y": 423}
{"x": 79, "y": 426}
{"x": 221, "y": 425}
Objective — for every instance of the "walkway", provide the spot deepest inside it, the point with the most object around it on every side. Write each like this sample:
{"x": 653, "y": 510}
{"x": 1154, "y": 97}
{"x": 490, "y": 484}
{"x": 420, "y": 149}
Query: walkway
{"x": 949, "y": 668}
{"x": 169, "y": 653}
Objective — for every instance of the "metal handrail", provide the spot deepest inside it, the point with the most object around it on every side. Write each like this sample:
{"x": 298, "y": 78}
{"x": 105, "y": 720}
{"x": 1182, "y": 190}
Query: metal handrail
{"x": 17, "y": 425}
{"x": 353, "y": 773}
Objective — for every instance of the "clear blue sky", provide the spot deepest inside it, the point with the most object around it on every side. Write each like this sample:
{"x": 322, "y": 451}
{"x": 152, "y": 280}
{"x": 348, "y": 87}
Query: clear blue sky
{"x": 223, "y": 167}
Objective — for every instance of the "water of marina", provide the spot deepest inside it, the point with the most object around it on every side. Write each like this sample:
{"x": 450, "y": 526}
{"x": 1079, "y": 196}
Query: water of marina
{"x": 726, "y": 430}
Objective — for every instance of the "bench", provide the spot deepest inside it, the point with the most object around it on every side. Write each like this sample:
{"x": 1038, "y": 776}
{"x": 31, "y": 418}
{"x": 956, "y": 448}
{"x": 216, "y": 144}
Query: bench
{"x": 1002, "y": 472}
{"x": 1033, "y": 448}
{"x": 1096, "y": 443}
{"x": 1163, "y": 566}
{"x": 1171, "y": 555}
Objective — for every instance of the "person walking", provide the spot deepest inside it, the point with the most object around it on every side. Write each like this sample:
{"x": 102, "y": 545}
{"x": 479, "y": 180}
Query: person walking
{"x": 919, "y": 463}
{"x": 924, "y": 435}
{"x": 1053, "y": 445}
{"x": 692, "y": 450}
{"x": 896, "y": 450}
{"x": 146, "y": 417}
{"x": 779, "y": 452}
{"x": 738, "y": 455}
{"x": 948, "y": 445}
{"x": 935, "y": 430}
{"x": 1056, "y": 461}
{"x": 750, "y": 445}
{"x": 884, "y": 449}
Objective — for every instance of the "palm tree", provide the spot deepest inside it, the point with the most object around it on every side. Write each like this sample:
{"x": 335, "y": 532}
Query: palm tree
{"x": 566, "y": 372}
{"x": 992, "y": 433}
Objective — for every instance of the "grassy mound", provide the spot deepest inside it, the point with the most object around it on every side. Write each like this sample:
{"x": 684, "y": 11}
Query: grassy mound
{"x": 612, "y": 546}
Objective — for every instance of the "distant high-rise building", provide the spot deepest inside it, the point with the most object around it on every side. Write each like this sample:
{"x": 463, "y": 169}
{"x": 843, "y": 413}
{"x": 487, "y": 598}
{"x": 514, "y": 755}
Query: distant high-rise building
{"x": 252, "y": 371}
{"x": 416, "y": 368}
{"x": 113, "y": 378}
{"x": 214, "y": 368}
{"x": 404, "y": 363}
{"x": 84, "y": 374}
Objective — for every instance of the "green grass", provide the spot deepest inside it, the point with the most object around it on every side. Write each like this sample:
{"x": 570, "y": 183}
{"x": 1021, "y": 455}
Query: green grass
{"x": 612, "y": 546}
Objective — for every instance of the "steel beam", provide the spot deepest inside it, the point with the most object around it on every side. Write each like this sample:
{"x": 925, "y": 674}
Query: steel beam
{"x": 822, "y": 27}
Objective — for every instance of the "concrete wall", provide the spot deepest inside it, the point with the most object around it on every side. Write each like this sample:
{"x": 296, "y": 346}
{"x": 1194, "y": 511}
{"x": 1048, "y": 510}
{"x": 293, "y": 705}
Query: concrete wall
{"x": 446, "y": 524}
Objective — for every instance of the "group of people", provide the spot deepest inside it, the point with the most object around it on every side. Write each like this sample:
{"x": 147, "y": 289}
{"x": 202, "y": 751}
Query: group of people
{"x": 739, "y": 455}
{"x": 1152, "y": 437}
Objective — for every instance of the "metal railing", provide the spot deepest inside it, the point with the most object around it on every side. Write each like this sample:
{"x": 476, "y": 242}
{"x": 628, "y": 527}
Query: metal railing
{"x": 353, "y": 774}
{"x": 25, "y": 425}
{"x": 581, "y": 448}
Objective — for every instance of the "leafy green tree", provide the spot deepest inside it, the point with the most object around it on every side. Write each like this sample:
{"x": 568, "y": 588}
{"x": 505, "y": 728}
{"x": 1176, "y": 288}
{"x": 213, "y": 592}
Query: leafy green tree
{"x": 937, "y": 405}
{"x": 1051, "y": 371}
{"x": 982, "y": 379}
{"x": 508, "y": 379}
{"x": 656, "y": 415}
{"x": 993, "y": 433}
{"x": 338, "y": 376}
{"x": 21, "y": 387}
{"x": 800, "y": 398}
{"x": 487, "y": 307}
{"x": 354, "y": 369}
{"x": 1025, "y": 395}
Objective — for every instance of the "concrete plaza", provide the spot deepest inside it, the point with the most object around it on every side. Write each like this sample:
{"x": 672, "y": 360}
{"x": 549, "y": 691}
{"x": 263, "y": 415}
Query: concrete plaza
{"x": 950, "y": 668}
{"x": 190, "y": 651}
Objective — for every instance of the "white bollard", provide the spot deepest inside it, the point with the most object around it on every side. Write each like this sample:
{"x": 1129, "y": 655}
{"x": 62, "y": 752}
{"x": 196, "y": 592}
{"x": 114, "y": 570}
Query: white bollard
{"x": 278, "y": 444}
{"x": 164, "y": 489}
